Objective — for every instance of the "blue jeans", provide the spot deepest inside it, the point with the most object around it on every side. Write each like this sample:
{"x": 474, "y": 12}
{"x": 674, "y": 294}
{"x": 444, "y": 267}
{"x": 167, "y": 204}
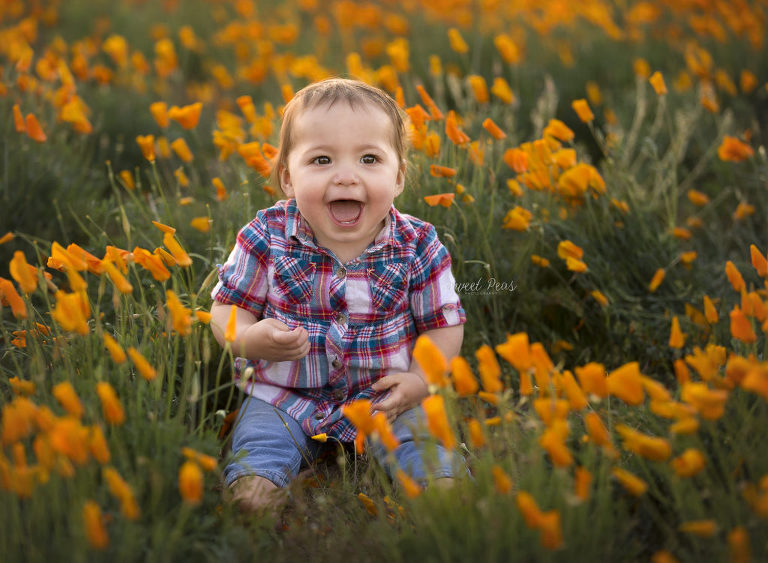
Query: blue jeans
{"x": 269, "y": 443}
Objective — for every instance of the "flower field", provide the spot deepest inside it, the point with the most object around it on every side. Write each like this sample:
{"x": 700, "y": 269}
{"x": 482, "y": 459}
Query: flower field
{"x": 598, "y": 172}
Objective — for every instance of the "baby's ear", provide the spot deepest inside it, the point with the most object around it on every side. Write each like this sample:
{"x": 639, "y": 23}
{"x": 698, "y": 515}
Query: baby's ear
{"x": 284, "y": 176}
{"x": 400, "y": 181}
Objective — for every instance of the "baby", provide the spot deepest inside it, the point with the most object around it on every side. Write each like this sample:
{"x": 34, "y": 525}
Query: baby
{"x": 331, "y": 288}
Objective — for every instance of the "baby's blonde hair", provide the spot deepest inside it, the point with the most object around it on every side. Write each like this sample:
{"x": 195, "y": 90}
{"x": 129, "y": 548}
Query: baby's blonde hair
{"x": 330, "y": 91}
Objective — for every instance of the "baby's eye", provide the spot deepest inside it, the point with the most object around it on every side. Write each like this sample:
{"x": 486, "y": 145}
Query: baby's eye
{"x": 369, "y": 159}
{"x": 321, "y": 160}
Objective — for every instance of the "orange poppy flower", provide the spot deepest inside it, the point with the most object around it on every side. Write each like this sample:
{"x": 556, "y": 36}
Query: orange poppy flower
{"x": 581, "y": 107}
{"x": 97, "y": 445}
{"x": 110, "y": 403}
{"x": 732, "y": 149}
{"x": 656, "y": 280}
{"x": 9, "y": 296}
{"x": 151, "y": 262}
{"x": 230, "y": 331}
{"x": 67, "y": 397}
{"x": 142, "y": 365}
{"x": 479, "y": 88}
{"x": 203, "y": 317}
{"x": 181, "y": 149}
{"x": 181, "y": 317}
{"x": 709, "y": 403}
{"x": 689, "y": 463}
{"x": 710, "y": 312}
{"x": 18, "y": 120}
{"x": 202, "y": 224}
{"x": 631, "y": 482}
{"x": 734, "y": 277}
{"x": 599, "y": 297}
{"x": 530, "y": 510}
{"x": 444, "y": 199}
{"x": 159, "y": 111}
{"x": 701, "y": 528}
{"x": 500, "y": 88}
{"x": 759, "y": 261}
{"x": 24, "y": 274}
{"x": 95, "y": 530}
{"x": 186, "y": 116}
{"x": 698, "y": 198}
{"x": 34, "y": 130}
{"x": 147, "y": 145}
{"x": 738, "y": 542}
{"x": 517, "y": 219}
{"x": 657, "y": 81}
{"x": 741, "y": 327}
{"x": 72, "y": 311}
{"x": 441, "y": 171}
{"x": 411, "y": 488}
{"x": 457, "y": 41}
{"x": 551, "y": 531}
{"x": 626, "y": 383}
{"x": 516, "y": 350}
{"x": 359, "y": 413}
{"x": 573, "y": 392}
{"x": 490, "y": 371}
{"x": 463, "y": 380}
{"x": 566, "y": 249}
{"x": 501, "y": 480}
{"x": 676, "y": 336}
{"x": 207, "y": 462}
{"x": 115, "y": 350}
{"x": 582, "y": 480}
{"x": 121, "y": 491}
{"x": 384, "y": 430}
{"x": 559, "y": 130}
{"x": 122, "y": 284}
{"x": 476, "y": 435}
{"x": 453, "y": 131}
{"x": 592, "y": 379}
{"x": 437, "y": 420}
{"x": 649, "y": 447}
{"x": 178, "y": 253}
{"x": 427, "y": 100}
{"x": 191, "y": 482}
{"x": 431, "y": 361}
{"x": 493, "y": 129}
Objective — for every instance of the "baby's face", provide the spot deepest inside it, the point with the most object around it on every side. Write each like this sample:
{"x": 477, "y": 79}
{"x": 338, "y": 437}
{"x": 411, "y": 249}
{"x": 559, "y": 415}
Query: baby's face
{"x": 344, "y": 172}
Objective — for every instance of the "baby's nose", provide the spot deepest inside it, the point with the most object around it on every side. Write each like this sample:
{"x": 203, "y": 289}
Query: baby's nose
{"x": 345, "y": 176}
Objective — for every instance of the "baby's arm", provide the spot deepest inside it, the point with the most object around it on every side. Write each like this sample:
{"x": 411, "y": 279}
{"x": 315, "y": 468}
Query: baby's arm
{"x": 409, "y": 388}
{"x": 266, "y": 339}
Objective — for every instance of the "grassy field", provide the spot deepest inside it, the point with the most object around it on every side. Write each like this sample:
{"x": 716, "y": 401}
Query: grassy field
{"x": 598, "y": 172}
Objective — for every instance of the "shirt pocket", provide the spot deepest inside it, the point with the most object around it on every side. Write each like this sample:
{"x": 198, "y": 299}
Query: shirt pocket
{"x": 294, "y": 279}
{"x": 388, "y": 286}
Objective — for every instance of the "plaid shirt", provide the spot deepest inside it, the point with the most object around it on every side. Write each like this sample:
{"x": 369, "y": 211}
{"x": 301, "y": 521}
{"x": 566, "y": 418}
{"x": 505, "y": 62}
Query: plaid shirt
{"x": 362, "y": 317}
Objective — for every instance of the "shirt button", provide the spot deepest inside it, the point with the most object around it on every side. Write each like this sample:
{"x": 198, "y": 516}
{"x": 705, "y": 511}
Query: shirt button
{"x": 341, "y": 318}
{"x": 319, "y": 416}
{"x": 341, "y": 272}
{"x": 339, "y": 394}
{"x": 336, "y": 363}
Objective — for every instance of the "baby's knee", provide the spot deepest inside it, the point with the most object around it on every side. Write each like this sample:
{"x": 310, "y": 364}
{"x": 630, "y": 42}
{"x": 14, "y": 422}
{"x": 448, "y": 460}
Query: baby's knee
{"x": 252, "y": 493}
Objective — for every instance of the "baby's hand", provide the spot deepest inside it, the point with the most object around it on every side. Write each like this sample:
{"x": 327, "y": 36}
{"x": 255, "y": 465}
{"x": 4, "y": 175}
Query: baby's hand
{"x": 406, "y": 390}
{"x": 272, "y": 340}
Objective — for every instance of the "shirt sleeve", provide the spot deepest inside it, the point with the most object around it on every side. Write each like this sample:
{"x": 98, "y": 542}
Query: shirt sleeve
{"x": 243, "y": 279}
{"x": 433, "y": 298}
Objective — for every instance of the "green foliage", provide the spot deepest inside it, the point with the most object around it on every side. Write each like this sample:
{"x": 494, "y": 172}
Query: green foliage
{"x": 649, "y": 151}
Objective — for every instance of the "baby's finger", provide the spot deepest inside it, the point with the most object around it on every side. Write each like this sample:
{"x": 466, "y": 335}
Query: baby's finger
{"x": 385, "y": 383}
{"x": 293, "y": 338}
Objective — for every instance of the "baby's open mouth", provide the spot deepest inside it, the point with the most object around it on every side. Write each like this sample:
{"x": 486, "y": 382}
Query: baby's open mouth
{"x": 345, "y": 211}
